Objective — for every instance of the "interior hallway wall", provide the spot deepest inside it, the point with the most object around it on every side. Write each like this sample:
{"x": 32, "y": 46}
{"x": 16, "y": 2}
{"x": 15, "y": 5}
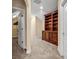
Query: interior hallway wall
{"x": 65, "y": 31}
{"x": 61, "y": 26}
{"x": 18, "y": 3}
{"x": 39, "y": 27}
{"x": 14, "y": 28}
{"x": 22, "y": 5}
{"x": 28, "y": 27}
{"x": 33, "y": 27}
{"x": 26, "y": 5}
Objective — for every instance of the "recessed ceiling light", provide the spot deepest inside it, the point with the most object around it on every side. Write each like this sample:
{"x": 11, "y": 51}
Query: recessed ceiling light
{"x": 41, "y": 7}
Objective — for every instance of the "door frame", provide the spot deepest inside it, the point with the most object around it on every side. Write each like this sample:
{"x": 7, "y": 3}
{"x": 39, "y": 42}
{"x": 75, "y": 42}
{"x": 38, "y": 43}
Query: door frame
{"x": 21, "y": 11}
{"x": 61, "y": 49}
{"x": 65, "y": 31}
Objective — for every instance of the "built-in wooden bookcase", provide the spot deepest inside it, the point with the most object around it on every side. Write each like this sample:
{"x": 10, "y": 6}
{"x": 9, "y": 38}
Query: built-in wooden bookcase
{"x": 48, "y": 22}
{"x": 55, "y": 21}
{"x": 51, "y": 28}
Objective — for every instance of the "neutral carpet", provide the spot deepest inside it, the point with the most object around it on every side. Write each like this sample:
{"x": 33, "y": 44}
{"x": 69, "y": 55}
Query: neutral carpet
{"x": 40, "y": 50}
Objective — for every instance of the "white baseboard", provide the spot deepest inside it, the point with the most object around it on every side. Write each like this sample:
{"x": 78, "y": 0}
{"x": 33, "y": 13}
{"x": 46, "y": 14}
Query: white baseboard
{"x": 60, "y": 52}
{"x": 28, "y": 51}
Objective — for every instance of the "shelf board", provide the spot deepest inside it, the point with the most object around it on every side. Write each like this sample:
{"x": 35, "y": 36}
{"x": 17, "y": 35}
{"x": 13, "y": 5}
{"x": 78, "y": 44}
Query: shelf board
{"x": 51, "y": 21}
{"x": 48, "y": 22}
{"x": 55, "y": 22}
{"x": 55, "y": 18}
{"x": 48, "y": 25}
{"x": 55, "y": 26}
{"x": 47, "y": 18}
{"x": 55, "y": 13}
{"x": 49, "y": 14}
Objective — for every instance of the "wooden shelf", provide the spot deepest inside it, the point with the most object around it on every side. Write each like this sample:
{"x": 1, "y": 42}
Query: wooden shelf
{"x": 55, "y": 16}
{"x": 55, "y": 19}
{"x": 48, "y": 18}
{"x": 51, "y": 28}
{"x": 55, "y": 26}
{"x": 55, "y": 22}
{"x": 51, "y": 20}
{"x": 48, "y": 22}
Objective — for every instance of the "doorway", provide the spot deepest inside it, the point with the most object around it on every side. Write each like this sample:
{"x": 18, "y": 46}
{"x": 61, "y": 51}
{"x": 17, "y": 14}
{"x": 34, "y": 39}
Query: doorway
{"x": 44, "y": 29}
{"x": 18, "y": 27}
{"x": 14, "y": 27}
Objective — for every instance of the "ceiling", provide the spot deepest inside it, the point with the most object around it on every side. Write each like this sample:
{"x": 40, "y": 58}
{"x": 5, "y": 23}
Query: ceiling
{"x": 14, "y": 10}
{"x": 47, "y": 6}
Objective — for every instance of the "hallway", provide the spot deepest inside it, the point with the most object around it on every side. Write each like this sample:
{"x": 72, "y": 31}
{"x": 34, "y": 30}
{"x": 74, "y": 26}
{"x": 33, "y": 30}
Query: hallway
{"x": 40, "y": 50}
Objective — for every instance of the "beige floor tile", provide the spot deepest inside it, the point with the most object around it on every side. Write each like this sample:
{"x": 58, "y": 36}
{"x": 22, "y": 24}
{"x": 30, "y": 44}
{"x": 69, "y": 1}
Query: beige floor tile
{"x": 40, "y": 50}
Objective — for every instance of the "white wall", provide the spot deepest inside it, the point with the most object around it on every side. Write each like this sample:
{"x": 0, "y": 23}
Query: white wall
{"x": 20, "y": 4}
{"x": 28, "y": 26}
{"x": 60, "y": 30}
{"x": 33, "y": 27}
{"x": 39, "y": 27}
{"x": 61, "y": 25}
{"x": 65, "y": 31}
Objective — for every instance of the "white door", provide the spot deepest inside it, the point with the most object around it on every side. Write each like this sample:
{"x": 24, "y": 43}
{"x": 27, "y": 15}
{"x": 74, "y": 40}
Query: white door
{"x": 21, "y": 31}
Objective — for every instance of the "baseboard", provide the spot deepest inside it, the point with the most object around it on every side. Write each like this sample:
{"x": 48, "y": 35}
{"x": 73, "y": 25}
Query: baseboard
{"x": 28, "y": 51}
{"x": 60, "y": 53}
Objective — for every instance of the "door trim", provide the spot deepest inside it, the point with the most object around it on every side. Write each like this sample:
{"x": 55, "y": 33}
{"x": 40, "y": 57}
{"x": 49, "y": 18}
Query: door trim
{"x": 21, "y": 11}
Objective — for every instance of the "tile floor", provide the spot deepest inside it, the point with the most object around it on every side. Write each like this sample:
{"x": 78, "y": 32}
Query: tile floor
{"x": 40, "y": 50}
